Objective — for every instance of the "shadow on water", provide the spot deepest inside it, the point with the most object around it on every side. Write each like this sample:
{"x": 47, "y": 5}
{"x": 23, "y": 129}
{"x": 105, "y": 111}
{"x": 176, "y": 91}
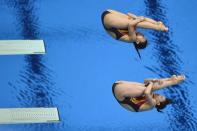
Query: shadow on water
{"x": 166, "y": 54}
{"x": 35, "y": 87}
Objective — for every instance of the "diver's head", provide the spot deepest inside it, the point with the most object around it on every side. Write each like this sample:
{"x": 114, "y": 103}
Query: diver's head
{"x": 141, "y": 41}
{"x": 161, "y": 102}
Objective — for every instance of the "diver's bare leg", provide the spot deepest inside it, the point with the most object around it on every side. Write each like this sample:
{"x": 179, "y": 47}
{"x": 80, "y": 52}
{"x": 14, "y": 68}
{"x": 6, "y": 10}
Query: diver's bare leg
{"x": 162, "y": 83}
{"x": 133, "y": 16}
{"x": 151, "y": 20}
{"x": 150, "y": 25}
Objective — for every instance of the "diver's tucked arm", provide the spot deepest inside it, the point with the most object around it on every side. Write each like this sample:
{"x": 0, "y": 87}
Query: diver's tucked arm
{"x": 131, "y": 28}
{"x": 136, "y": 21}
{"x": 132, "y": 33}
{"x": 132, "y": 15}
{"x": 148, "y": 94}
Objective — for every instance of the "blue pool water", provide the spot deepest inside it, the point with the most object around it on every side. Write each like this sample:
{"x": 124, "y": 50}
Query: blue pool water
{"x": 82, "y": 62}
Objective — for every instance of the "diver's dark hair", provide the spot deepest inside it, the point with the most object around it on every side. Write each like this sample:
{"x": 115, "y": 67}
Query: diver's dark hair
{"x": 163, "y": 104}
{"x": 140, "y": 45}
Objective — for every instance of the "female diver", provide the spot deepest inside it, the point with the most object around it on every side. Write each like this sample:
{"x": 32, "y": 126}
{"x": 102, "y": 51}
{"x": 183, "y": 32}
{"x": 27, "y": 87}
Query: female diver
{"x": 123, "y": 27}
{"x": 139, "y": 97}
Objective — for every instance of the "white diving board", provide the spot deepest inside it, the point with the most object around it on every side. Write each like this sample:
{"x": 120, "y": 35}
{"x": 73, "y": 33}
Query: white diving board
{"x": 28, "y": 115}
{"x": 16, "y": 47}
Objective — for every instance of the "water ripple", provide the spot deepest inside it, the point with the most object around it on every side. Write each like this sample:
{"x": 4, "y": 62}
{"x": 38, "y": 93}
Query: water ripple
{"x": 35, "y": 87}
{"x": 166, "y": 53}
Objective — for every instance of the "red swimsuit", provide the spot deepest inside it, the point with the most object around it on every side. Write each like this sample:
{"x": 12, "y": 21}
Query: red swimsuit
{"x": 134, "y": 102}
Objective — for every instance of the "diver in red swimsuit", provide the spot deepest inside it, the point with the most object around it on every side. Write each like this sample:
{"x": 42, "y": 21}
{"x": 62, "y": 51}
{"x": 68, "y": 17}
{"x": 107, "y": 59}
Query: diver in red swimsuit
{"x": 123, "y": 27}
{"x": 139, "y": 97}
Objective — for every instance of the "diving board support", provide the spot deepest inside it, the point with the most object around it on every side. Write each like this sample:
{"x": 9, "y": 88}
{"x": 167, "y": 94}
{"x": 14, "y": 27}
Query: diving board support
{"x": 16, "y": 47}
{"x": 28, "y": 115}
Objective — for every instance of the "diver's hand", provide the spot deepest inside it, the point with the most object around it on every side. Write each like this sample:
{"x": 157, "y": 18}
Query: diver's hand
{"x": 141, "y": 18}
{"x": 146, "y": 81}
{"x": 132, "y": 16}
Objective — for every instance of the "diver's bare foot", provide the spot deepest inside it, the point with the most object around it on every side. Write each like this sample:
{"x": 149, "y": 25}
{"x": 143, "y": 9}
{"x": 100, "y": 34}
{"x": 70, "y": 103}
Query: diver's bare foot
{"x": 162, "y": 27}
{"x": 178, "y": 78}
{"x": 166, "y": 29}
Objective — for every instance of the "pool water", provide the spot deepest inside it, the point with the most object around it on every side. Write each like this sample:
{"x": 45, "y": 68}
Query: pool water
{"x": 82, "y": 61}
